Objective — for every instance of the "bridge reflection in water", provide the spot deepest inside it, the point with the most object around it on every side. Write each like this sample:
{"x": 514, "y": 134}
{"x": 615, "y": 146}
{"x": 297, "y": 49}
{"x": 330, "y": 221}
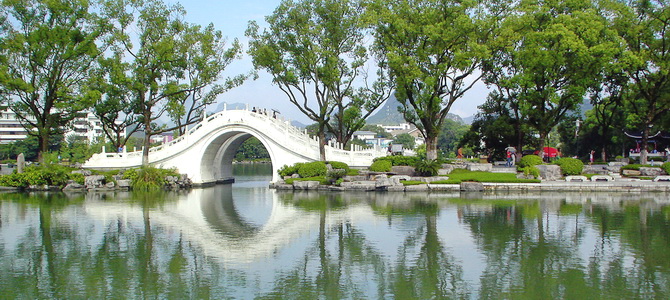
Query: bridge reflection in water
{"x": 231, "y": 242}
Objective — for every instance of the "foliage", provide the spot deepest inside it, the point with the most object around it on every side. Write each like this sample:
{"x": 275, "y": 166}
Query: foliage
{"x": 407, "y": 140}
{"x": 338, "y": 165}
{"x": 400, "y": 160}
{"x": 170, "y": 68}
{"x": 529, "y": 161}
{"x": 321, "y": 179}
{"x": 666, "y": 167}
{"x": 432, "y": 50}
{"x": 427, "y": 167}
{"x": 78, "y": 178}
{"x": 312, "y": 169}
{"x": 287, "y": 170}
{"x": 252, "y": 150}
{"x": 353, "y": 172}
{"x": 316, "y": 50}
{"x": 570, "y": 166}
{"x": 381, "y": 166}
{"x": 464, "y": 175}
{"x": 634, "y": 167}
{"x": 47, "y": 51}
{"x": 530, "y": 170}
{"x": 148, "y": 178}
{"x": 451, "y": 138}
{"x": 544, "y": 70}
{"x": 47, "y": 174}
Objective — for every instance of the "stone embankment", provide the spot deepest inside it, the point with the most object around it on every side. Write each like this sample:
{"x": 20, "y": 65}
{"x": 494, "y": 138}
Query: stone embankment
{"x": 95, "y": 183}
{"x": 551, "y": 177}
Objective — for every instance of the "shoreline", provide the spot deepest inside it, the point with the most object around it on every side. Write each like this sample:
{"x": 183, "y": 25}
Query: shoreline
{"x": 548, "y": 186}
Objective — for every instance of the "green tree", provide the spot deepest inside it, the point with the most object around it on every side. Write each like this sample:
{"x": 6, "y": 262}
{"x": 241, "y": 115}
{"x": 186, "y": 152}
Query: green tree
{"x": 553, "y": 49}
{"x": 432, "y": 50}
{"x": 644, "y": 26}
{"x": 169, "y": 67}
{"x": 47, "y": 50}
{"x": 315, "y": 52}
{"x": 451, "y": 136}
{"x": 407, "y": 140}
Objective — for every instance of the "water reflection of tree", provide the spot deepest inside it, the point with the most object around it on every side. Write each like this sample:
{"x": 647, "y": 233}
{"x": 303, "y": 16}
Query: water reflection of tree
{"x": 639, "y": 231}
{"x": 68, "y": 259}
{"x": 532, "y": 252}
{"x": 351, "y": 267}
{"x": 431, "y": 273}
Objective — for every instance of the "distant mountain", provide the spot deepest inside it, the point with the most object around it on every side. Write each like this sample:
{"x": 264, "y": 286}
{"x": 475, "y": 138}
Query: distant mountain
{"x": 389, "y": 115}
{"x": 298, "y": 124}
{"x": 469, "y": 120}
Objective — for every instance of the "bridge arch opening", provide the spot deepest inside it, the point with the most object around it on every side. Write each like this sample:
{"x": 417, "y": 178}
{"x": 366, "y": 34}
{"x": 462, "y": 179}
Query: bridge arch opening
{"x": 219, "y": 154}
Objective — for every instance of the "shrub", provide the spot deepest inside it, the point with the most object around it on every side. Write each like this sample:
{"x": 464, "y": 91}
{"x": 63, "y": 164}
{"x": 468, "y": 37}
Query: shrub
{"x": 381, "y": 166}
{"x": 412, "y": 182}
{"x": 14, "y": 180}
{"x": 322, "y": 180}
{"x": 148, "y": 178}
{"x": 78, "y": 178}
{"x": 399, "y": 160}
{"x": 570, "y": 166}
{"x": 427, "y": 167}
{"x": 312, "y": 169}
{"x": 634, "y": 167}
{"x": 666, "y": 168}
{"x": 353, "y": 172}
{"x": 287, "y": 170}
{"x": 529, "y": 160}
{"x": 532, "y": 170}
{"x": 338, "y": 165}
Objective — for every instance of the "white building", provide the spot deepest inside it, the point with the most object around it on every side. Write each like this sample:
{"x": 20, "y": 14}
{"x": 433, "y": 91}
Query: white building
{"x": 10, "y": 127}
{"x": 391, "y": 128}
{"x": 85, "y": 126}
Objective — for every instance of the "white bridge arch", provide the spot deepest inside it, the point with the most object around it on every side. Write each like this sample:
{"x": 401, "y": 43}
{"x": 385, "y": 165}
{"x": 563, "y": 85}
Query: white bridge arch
{"x": 206, "y": 152}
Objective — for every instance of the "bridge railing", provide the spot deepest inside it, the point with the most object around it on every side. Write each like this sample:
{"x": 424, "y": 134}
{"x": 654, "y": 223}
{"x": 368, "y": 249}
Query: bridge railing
{"x": 300, "y": 140}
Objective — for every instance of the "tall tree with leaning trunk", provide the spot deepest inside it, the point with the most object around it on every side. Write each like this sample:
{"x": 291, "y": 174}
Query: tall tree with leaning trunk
{"x": 433, "y": 50}
{"x": 166, "y": 64}
{"x": 315, "y": 52}
{"x": 644, "y": 25}
{"x": 553, "y": 50}
{"x": 47, "y": 49}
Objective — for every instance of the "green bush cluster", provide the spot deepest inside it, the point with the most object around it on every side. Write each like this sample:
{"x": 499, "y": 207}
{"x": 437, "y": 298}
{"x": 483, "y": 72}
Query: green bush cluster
{"x": 381, "y": 166}
{"x": 312, "y": 169}
{"x": 287, "y": 170}
{"x": 399, "y": 160}
{"x": 570, "y": 166}
{"x": 666, "y": 168}
{"x": 148, "y": 178}
{"x": 484, "y": 177}
{"x": 339, "y": 165}
{"x": 49, "y": 174}
{"x": 634, "y": 167}
{"x": 531, "y": 170}
{"x": 529, "y": 160}
{"x": 427, "y": 167}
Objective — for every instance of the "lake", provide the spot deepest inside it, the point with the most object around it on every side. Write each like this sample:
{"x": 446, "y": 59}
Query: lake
{"x": 247, "y": 241}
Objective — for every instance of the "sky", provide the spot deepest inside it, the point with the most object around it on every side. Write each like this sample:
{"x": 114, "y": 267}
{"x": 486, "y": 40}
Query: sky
{"x": 232, "y": 18}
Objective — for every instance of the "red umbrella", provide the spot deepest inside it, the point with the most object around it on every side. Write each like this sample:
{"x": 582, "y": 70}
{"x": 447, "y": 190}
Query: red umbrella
{"x": 548, "y": 152}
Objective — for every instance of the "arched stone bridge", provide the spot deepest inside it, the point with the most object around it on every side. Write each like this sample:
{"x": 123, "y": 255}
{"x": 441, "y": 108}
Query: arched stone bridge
{"x": 207, "y": 150}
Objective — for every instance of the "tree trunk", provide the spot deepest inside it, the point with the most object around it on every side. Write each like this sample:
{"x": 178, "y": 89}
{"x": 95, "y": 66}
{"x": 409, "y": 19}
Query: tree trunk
{"x": 543, "y": 138}
{"x": 43, "y": 141}
{"x": 643, "y": 146}
{"x": 431, "y": 148}
{"x": 322, "y": 142}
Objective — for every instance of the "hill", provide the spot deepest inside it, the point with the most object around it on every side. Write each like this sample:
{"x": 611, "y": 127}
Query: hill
{"x": 389, "y": 115}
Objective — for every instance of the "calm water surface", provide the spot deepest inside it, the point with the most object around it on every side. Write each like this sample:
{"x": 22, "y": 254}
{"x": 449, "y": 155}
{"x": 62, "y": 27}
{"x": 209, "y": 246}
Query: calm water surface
{"x": 246, "y": 241}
